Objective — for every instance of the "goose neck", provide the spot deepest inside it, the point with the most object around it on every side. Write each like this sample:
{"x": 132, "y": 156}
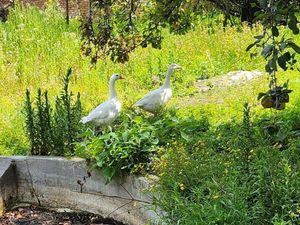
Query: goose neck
{"x": 112, "y": 90}
{"x": 168, "y": 78}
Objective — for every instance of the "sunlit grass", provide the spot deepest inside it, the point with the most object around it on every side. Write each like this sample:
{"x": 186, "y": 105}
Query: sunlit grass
{"x": 36, "y": 49}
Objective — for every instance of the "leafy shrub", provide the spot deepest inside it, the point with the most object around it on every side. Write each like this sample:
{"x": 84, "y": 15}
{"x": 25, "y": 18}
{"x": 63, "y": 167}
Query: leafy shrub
{"x": 53, "y": 131}
{"x": 136, "y": 141}
{"x": 235, "y": 175}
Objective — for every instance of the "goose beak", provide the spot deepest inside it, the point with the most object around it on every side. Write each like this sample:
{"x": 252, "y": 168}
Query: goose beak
{"x": 122, "y": 78}
{"x": 179, "y": 67}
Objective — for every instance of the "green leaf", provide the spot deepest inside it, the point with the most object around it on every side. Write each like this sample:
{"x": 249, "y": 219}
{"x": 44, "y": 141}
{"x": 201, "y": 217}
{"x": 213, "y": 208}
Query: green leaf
{"x": 125, "y": 135}
{"x": 273, "y": 64}
{"x": 108, "y": 173}
{"x": 292, "y": 24}
{"x": 283, "y": 45}
{"x": 259, "y": 37}
{"x": 282, "y": 60}
{"x": 295, "y": 47}
{"x": 267, "y": 51}
{"x": 260, "y": 95}
{"x": 138, "y": 119}
{"x": 275, "y": 31}
{"x": 185, "y": 136}
{"x": 282, "y": 63}
{"x": 250, "y": 46}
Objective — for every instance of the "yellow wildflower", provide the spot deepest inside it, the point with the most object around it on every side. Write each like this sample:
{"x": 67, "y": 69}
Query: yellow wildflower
{"x": 181, "y": 186}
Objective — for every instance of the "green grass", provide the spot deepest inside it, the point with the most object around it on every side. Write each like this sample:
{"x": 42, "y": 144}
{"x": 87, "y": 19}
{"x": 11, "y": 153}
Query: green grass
{"x": 231, "y": 168}
{"x": 37, "y": 47}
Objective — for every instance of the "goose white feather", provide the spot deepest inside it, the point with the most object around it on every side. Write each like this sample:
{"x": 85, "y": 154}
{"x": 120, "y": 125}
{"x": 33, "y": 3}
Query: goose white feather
{"x": 107, "y": 112}
{"x": 156, "y": 99}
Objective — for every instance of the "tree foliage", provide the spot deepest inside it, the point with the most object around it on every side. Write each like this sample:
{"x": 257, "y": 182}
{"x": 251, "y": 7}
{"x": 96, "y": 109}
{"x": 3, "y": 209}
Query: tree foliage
{"x": 115, "y": 28}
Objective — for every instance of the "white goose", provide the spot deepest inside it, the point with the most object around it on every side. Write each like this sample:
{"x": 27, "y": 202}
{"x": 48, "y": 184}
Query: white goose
{"x": 156, "y": 99}
{"x": 108, "y": 111}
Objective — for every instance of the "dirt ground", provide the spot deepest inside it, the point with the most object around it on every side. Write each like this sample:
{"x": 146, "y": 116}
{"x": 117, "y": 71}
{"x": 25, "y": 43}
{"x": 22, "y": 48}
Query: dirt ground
{"x": 39, "y": 216}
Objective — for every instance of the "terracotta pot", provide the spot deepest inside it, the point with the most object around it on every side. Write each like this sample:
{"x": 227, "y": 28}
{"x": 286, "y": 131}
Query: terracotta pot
{"x": 267, "y": 102}
{"x": 280, "y": 106}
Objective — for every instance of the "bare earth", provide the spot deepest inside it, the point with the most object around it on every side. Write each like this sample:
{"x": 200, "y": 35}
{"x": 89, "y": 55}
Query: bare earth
{"x": 40, "y": 216}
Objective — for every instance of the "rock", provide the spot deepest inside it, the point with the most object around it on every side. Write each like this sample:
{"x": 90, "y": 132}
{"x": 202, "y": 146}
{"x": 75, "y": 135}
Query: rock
{"x": 242, "y": 76}
{"x": 230, "y": 79}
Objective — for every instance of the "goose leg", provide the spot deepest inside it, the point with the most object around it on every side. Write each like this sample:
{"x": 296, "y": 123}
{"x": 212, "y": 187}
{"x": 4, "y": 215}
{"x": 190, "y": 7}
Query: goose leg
{"x": 97, "y": 131}
{"x": 110, "y": 128}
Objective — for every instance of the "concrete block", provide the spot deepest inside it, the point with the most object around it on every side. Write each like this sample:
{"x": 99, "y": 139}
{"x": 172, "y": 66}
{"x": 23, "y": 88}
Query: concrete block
{"x": 8, "y": 184}
{"x": 68, "y": 183}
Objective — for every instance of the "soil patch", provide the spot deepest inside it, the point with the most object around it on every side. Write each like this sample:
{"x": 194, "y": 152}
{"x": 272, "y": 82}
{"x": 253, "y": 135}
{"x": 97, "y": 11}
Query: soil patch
{"x": 40, "y": 216}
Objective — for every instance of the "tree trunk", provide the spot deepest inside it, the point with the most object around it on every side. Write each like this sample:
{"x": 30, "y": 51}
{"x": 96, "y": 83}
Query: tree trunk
{"x": 68, "y": 12}
{"x": 248, "y": 12}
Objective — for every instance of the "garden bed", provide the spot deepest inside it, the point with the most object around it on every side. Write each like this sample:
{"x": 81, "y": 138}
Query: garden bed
{"x": 32, "y": 215}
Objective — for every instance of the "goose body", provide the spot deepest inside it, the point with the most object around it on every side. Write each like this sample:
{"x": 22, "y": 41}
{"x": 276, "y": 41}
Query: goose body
{"x": 107, "y": 112}
{"x": 156, "y": 99}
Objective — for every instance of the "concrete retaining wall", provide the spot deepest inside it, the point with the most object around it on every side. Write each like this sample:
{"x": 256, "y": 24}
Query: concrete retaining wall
{"x": 59, "y": 182}
{"x": 8, "y": 184}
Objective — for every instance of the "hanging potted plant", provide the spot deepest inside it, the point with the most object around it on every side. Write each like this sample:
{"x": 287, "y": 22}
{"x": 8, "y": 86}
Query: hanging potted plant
{"x": 277, "y": 49}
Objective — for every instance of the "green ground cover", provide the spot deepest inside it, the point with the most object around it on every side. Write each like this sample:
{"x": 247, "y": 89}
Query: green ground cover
{"x": 218, "y": 159}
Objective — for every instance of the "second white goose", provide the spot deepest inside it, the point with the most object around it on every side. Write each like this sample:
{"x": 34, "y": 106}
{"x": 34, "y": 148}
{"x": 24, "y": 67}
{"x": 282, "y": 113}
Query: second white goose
{"x": 156, "y": 99}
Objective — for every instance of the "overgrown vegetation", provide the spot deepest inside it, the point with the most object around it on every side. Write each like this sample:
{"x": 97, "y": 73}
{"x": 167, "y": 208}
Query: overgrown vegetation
{"x": 242, "y": 172}
{"x": 216, "y": 163}
{"x": 53, "y": 130}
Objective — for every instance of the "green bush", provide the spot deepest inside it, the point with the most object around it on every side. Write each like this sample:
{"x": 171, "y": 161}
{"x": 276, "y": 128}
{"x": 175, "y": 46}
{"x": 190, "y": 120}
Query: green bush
{"x": 136, "y": 141}
{"x": 53, "y": 131}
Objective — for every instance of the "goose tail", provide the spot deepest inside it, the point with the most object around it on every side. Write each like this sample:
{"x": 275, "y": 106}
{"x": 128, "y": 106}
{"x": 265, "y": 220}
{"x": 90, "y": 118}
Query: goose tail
{"x": 84, "y": 120}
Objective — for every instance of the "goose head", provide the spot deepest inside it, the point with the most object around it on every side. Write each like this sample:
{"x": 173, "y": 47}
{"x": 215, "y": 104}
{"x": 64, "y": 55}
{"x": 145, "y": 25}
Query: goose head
{"x": 116, "y": 76}
{"x": 112, "y": 80}
{"x": 174, "y": 67}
